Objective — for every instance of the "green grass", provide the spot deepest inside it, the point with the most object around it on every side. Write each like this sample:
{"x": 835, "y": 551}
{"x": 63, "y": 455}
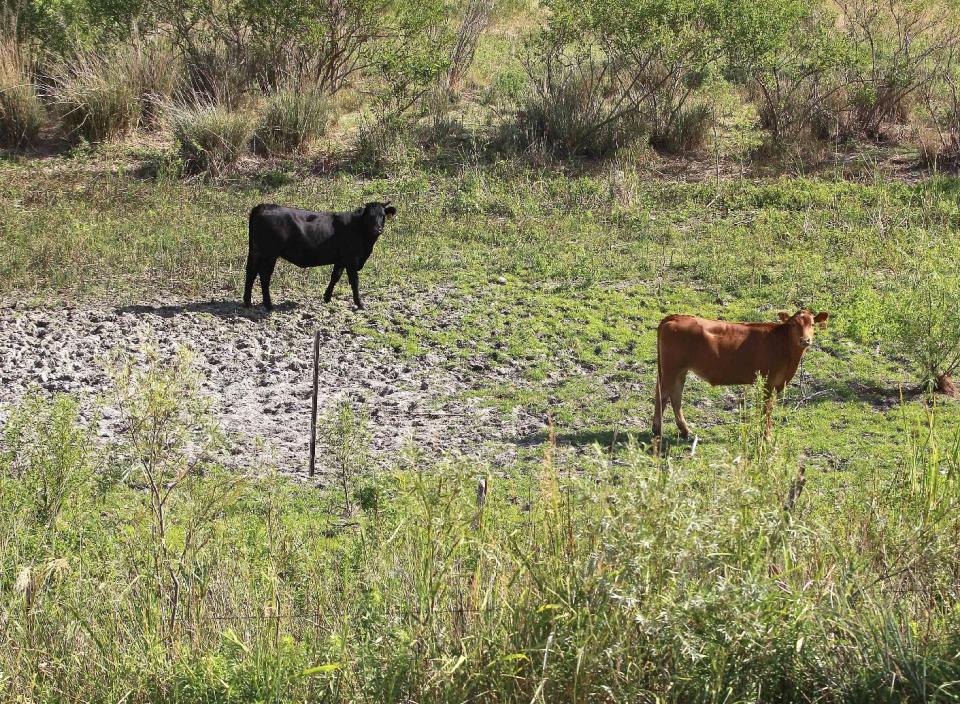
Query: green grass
{"x": 616, "y": 578}
{"x": 598, "y": 572}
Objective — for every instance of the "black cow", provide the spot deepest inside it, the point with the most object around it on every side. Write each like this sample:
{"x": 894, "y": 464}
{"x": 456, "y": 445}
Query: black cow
{"x": 306, "y": 238}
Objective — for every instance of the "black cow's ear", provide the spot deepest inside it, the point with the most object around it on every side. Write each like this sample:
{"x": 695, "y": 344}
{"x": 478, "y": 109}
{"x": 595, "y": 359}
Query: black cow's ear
{"x": 390, "y": 211}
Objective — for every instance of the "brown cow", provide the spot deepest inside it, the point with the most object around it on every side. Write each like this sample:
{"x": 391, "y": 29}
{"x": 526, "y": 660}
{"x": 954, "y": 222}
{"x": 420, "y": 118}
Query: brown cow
{"x": 723, "y": 353}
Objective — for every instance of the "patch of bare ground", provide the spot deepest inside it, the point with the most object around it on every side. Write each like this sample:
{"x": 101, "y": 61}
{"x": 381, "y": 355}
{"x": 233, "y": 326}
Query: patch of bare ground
{"x": 257, "y": 375}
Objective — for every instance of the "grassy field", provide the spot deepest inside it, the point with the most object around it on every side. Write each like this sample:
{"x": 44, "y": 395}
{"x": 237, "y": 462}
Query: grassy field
{"x": 819, "y": 566}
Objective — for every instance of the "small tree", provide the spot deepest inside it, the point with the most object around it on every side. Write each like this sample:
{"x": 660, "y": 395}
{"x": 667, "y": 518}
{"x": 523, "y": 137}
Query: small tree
{"x": 926, "y": 327}
{"x": 171, "y": 436}
{"x": 786, "y": 54}
{"x": 893, "y": 50}
{"x": 346, "y": 434}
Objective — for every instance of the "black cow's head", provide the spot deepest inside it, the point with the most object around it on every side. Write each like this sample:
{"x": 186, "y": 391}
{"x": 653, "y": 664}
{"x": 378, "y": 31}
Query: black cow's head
{"x": 375, "y": 215}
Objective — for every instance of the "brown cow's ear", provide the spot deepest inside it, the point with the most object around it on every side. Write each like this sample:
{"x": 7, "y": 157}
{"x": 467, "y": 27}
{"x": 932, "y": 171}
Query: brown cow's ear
{"x": 821, "y": 319}
{"x": 784, "y": 317}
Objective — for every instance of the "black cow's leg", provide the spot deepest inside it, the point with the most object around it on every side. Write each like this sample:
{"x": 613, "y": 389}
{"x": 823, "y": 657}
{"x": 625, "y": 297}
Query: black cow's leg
{"x": 334, "y": 278}
{"x": 354, "y": 276}
{"x": 266, "y": 272}
{"x": 251, "y": 277}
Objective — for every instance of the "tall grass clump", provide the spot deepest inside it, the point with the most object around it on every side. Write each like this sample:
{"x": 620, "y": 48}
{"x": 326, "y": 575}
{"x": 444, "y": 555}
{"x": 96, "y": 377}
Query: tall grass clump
{"x": 686, "y": 132}
{"x": 95, "y": 96}
{"x": 383, "y": 145}
{"x": 211, "y": 137}
{"x": 569, "y": 114}
{"x": 292, "y": 119}
{"x": 154, "y": 70}
{"x": 21, "y": 110}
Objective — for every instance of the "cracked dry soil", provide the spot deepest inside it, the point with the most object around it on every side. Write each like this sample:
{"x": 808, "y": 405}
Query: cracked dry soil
{"x": 257, "y": 375}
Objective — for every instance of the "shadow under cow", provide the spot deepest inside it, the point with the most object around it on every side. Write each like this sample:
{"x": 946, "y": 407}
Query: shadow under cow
{"x": 219, "y": 309}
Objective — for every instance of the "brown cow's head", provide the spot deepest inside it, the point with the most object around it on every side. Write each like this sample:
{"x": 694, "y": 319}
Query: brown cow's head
{"x": 801, "y": 326}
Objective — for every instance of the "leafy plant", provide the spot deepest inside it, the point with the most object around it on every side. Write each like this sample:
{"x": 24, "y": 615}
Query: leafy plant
{"x": 52, "y": 455}
{"x": 927, "y": 326}
{"x": 346, "y": 434}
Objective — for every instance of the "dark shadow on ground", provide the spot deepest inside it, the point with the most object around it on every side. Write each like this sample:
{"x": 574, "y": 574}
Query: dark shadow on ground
{"x": 606, "y": 438}
{"x": 874, "y": 393}
{"x": 220, "y": 309}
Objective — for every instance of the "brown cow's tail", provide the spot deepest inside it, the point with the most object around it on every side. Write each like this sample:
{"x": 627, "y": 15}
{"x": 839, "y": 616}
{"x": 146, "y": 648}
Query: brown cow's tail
{"x": 658, "y": 399}
{"x": 658, "y": 391}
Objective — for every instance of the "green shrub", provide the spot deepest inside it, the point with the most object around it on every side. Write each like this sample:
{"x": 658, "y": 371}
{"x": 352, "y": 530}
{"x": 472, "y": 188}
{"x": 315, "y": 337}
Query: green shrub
{"x": 211, "y": 137}
{"x": 292, "y": 120}
{"x": 865, "y": 315}
{"x": 96, "y": 97}
{"x": 926, "y": 326}
{"x": 383, "y": 145}
{"x": 507, "y": 88}
{"x": 21, "y": 111}
{"x": 52, "y": 456}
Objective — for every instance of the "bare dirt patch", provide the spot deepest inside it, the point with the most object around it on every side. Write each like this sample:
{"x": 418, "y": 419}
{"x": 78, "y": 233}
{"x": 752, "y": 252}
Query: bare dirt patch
{"x": 257, "y": 372}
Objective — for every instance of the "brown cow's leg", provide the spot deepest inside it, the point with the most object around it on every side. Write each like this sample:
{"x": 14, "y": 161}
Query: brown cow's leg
{"x": 768, "y": 395}
{"x": 676, "y": 399}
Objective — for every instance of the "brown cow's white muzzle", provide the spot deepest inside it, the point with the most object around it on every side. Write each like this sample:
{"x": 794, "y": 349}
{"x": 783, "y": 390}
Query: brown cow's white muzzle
{"x": 805, "y": 342}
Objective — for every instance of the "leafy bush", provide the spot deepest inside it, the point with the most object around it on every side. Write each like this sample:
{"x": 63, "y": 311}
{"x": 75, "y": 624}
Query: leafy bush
{"x": 926, "y": 326}
{"x": 603, "y": 73}
{"x": 292, "y": 119}
{"x": 892, "y": 50}
{"x": 940, "y": 145}
{"x": 211, "y": 137}
{"x": 21, "y": 111}
{"x": 787, "y": 55}
{"x": 52, "y": 455}
{"x": 865, "y": 315}
{"x": 96, "y": 97}
{"x": 507, "y": 89}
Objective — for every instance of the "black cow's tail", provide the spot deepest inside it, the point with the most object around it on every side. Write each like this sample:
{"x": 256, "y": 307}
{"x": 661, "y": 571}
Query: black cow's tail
{"x": 257, "y": 209}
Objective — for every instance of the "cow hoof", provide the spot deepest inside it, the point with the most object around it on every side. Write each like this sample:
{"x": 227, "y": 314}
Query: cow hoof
{"x": 684, "y": 434}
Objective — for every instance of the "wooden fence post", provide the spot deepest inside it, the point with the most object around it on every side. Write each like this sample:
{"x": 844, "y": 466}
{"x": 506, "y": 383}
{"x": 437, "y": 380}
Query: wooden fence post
{"x": 313, "y": 410}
